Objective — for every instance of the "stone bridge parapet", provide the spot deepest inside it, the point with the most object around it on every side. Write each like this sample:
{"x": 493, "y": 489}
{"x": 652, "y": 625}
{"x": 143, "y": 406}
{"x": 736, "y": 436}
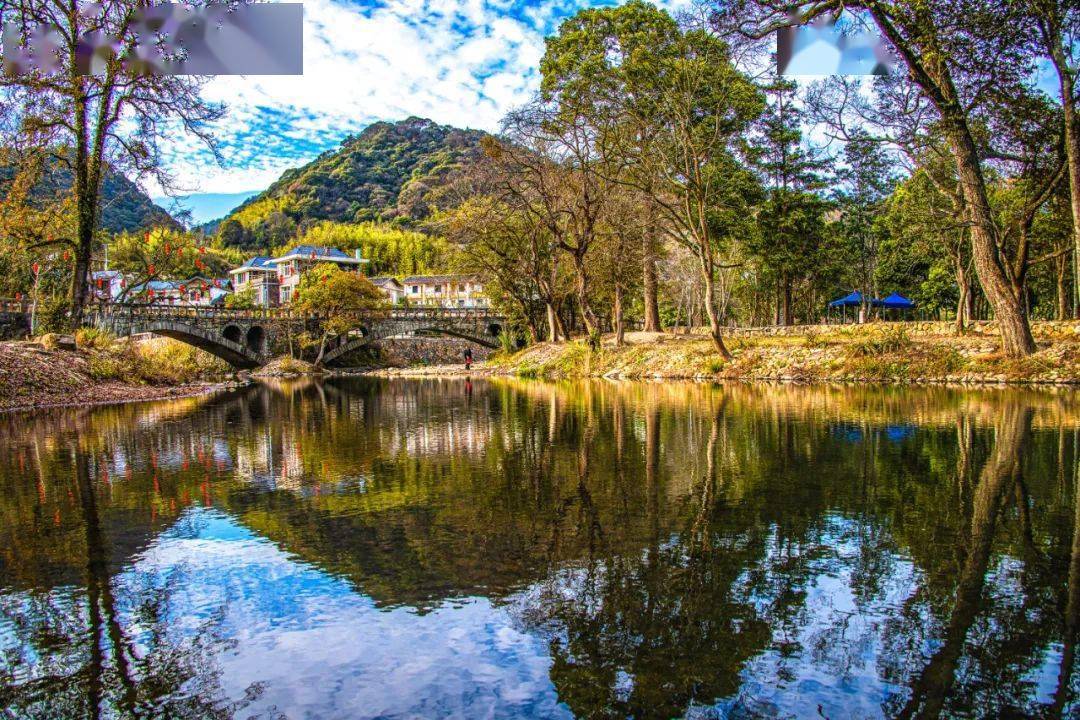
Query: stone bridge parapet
{"x": 249, "y": 338}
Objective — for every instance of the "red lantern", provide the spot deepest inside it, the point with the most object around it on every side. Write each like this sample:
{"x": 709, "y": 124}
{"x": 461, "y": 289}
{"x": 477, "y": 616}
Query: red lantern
{"x": 100, "y": 283}
{"x": 202, "y": 250}
{"x": 67, "y": 255}
{"x": 183, "y": 288}
{"x": 36, "y": 268}
{"x": 150, "y": 294}
{"x": 18, "y": 297}
{"x": 167, "y": 248}
{"x": 150, "y": 269}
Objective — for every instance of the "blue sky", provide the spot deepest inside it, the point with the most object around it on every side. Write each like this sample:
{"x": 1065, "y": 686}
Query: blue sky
{"x": 458, "y": 62}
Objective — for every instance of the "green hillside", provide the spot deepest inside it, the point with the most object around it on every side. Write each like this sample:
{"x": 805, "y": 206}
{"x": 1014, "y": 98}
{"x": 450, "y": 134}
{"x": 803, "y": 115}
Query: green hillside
{"x": 124, "y": 206}
{"x": 389, "y": 173}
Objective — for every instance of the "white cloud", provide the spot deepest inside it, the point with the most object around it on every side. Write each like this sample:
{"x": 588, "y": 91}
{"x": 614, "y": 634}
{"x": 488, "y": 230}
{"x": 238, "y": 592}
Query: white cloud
{"x": 459, "y": 62}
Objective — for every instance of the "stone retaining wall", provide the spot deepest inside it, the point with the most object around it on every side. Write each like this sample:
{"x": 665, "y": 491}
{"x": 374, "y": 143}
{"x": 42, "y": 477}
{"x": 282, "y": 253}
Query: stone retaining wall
{"x": 406, "y": 352}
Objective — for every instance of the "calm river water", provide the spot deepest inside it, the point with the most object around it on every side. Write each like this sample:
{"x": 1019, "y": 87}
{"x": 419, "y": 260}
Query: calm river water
{"x": 502, "y": 549}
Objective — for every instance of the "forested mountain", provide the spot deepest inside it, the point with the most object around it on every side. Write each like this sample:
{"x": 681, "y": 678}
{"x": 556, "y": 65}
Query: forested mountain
{"x": 124, "y": 206}
{"x": 389, "y": 173}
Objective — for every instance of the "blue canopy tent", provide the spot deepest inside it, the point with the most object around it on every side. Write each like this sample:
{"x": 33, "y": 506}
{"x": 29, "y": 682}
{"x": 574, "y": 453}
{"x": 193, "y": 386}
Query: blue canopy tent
{"x": 854, "y": 299}
{"x": 896, "y": 301}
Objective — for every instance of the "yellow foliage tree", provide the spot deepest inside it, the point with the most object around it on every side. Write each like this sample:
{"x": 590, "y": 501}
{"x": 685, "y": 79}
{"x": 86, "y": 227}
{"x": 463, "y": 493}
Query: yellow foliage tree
{"x": 343, "y": 299}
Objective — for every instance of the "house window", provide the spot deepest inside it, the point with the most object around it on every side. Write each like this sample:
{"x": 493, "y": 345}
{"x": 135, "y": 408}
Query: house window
{"x": 438, "y": 288}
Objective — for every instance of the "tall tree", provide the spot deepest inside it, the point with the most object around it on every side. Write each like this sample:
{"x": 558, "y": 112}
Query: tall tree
{"x": 339, "y": 298}
{"x": 610, "y": 60}
{"x": 869, "y": 179}
{"x": 115, "y": 117}
{"x": 793, "y": 217}
{"x": 1058, "y": 24}
{"x": 953, "y": 51}
{"x": 689, "y": 105}
{"x": 556, "y": 170}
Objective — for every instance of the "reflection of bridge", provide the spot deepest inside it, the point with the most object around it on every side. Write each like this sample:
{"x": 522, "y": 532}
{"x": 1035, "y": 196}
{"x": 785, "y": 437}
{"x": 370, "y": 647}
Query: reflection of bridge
{"x": 249, "y": 338}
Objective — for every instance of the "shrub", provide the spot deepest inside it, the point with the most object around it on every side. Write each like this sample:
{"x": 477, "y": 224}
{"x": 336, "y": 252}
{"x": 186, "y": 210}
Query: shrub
{"x": 888, "y": 340}
{"x": 293, "y": 366}
{"x": 52, "y": 314}
{"x": 815, "y": 339}
{"x": 714, "y": 366}
{"x": 243, "y": 300}
{"x": 108, "y": 367}
{"x": 507, "y": 341}
{"x": 528, "y": 372}
{"x": 164, "y": 361}
{"x": 93, "y": 339}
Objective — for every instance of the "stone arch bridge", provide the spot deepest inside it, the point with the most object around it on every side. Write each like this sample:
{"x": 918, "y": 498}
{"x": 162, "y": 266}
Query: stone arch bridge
{"x": 249, "y": 338}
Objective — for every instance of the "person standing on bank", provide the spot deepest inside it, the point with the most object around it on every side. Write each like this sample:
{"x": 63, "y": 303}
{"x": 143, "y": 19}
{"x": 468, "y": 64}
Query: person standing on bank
{"x": 468, "y": 358}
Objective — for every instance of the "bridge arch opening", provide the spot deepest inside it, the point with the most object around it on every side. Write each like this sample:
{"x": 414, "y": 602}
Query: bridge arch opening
{"x": 256, "y": 340}
{"x": 233, "y": 333}
{"x": 494, "y": 329}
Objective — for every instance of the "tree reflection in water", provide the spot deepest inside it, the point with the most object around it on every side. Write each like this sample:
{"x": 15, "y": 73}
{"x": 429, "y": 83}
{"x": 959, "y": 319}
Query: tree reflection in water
{"x": 672, "y": 550}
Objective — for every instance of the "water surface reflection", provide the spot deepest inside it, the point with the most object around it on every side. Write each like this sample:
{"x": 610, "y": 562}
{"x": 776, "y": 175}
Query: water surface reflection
{"x": 432, "y": 548}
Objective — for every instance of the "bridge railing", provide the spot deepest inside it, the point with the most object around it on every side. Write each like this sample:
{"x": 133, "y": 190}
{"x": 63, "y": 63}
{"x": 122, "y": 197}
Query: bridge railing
{"x": 152, "y": 311}
{"x": 10, "y": 305}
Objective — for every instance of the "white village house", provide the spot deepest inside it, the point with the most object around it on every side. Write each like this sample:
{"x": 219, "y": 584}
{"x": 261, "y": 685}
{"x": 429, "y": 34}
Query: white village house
{"x": 196, "y": 290}
{"x": 274, "y": 280}
{"x": 450, "y": 291}
{"x": 390, "y": 287}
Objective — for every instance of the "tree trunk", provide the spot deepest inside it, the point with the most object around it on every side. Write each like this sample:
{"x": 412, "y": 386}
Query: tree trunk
{"x": 85, "y": 208}
{"x": 777, "y": 304}
{"x": 1061, "y": 270}
{"x": 552, "y": 322}
{"x": 649, "y": 294}
{"x": 618, "y": 317}
{"x": 710, "y": 309}
{"x": 322, "y": 351}
{"x": 588, "y": 316}
{"x": 931, "y": 72}
{"x": 1072, "y": 146}
{"x": 1008, "y": 309}
{"x": 962, "y": 305}
{"x": 787, "y": 315}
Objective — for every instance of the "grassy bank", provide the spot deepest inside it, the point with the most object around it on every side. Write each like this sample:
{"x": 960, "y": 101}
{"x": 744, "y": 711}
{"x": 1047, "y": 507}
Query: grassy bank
{"x": 102, "y": 369}
{"x": 878, "y": 353}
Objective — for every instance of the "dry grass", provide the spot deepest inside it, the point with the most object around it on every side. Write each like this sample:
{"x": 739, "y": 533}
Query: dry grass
{"x": 159, "y": 361}
{"x": 882, "y": 352}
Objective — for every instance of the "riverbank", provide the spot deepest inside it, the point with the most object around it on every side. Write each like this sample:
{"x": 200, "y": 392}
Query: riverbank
{"x": 890, "y": 353}
{"x": 37, "y": 375}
